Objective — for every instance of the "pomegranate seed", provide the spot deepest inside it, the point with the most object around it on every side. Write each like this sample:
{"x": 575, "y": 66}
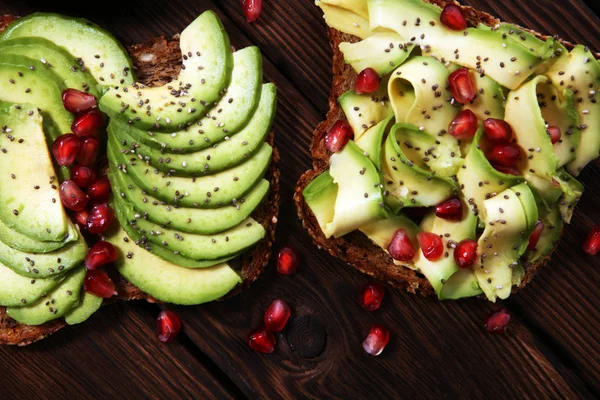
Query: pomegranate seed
{"x": 65, "y": 149}
{"x": 82, "y": 176}
{"x": 507, "y": 170}
{"x": 100, "y": 254}
{"x": 72, "y": 197}
{"x": 81, "y": 218}
{"x": 462, "y": 85}
{"x": 338, "y": 136}
{"x": 99, "y": 191}
{"x": 168, "y": 326}
{"x": 98, "y": 283}
{"x": 277, "y": 316}
{"x": 88, "y": 151}
{"x": 464, "y": 126}
{"x": 498, "y": 130}
{"x": 77, "y": 101}
{"x": 252, "y": 9}
{"x": 465, "y": 253}
{"x": 367, "y": 81}
{"x": 592, "y": 243}
{"x": 453, "y": 18}
{"x": 401, "y": 248}
{"x": 431, "y": 244}
{"x": 261, "y": 340}
{"x": 376, "y": 340}
{"x": 371, "y": 295}
{"x": 100, "y": 218}
{"x": 287, "y": 261}
{"x": 506, "y": 155}
{"x": 535, "y": 235}
{"x": 554, "y": 133}
{"x": 497, "y": 321}
{"x": 451, "y": 210}
{"x": 87, "y": 123}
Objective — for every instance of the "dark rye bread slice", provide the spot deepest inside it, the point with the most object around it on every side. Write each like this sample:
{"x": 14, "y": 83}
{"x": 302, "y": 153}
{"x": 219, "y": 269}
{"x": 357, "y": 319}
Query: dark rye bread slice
{"x": 156, "y": 63}
{"x": 355, "y": 248}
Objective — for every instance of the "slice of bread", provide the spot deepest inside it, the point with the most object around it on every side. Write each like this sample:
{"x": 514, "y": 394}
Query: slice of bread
{"x": 156, "y": 63}
{"x": 355, "y": 248}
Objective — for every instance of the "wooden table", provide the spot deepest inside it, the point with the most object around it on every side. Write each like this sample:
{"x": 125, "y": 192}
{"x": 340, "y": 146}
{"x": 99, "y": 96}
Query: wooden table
{"x": 552, "y": 349}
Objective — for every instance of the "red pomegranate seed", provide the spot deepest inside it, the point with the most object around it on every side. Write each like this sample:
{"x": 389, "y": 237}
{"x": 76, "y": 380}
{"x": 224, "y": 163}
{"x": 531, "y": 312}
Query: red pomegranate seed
{"x": 82, "y": 176}
{"x": 65, "y": 149}
{"x": 367, "y": 81}
{"x": 464, "y": 126}
{"x": 431, "y": 244}
{"x": 506, "y": 155}
{"x": 72, "y": 197}
{"x": 252, "y": 9}
{"x": 465, "y": 253}
{"x": 88, "y": 151}
{"x": 100, "y": 218}
{"x": 168, "y": 326}
{"x": 376, "y": 340}
{"x": 507, "y": 170}
{"x": 370, "y": 296}
{"x": 453, "y": 18}
{"x": 497, "y": 321}
{"x": 498, "y": 130}
{"x": 87, "y": 123}
{"x": 451, "y": 210}
{"x": 592, "y": 243}
{"x": 99, "y": 191}
{"x": 554, "y": 133}
{"x": 287, "y": 261}
{"x": 98, "y": 283}
{"x": 277, "y": 316}
{"x": 535, "y": 235}
{"x": 100, "y": 254}
{"x": 401, "y": 248}
{"x": 338, "y": 136}
{"x": 81, "y": 218}
{"x": 261, "y": 340}
{"x": 462, "y": 85}
{"x": 76, "y": 101}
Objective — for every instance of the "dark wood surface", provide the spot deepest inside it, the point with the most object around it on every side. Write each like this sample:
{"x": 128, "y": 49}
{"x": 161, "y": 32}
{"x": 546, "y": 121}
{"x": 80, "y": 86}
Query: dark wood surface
{"x": 437, "y": 350}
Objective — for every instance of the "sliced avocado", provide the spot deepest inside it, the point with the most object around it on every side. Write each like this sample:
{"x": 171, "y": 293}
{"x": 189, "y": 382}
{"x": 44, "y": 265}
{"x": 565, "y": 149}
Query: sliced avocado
{"x": 572, "y": 190}
{"x": 345, "y": 20}
{"x": 553, "y": 225}
{"x": 206, "y": 71}
{"x": 357, "y": 6}
{"x": 320, "y": 195}
{"x": 17, "y": 290}
{"x": 489, "y": 101}
{"x": 59, "y": 302}
{"x": 97, "y": 50}
{"x": 462, "y": 284}
{"x": 88, "y": 305}
{"x": 365, "y": 110}
{"x": 20, "y": 242}
{"x": 371, "y": 141}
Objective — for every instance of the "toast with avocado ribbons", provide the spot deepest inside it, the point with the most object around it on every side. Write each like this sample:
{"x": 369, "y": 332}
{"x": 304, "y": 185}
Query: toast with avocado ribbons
{"x": 227, "y": 212}
{"x": 402, "y": 162}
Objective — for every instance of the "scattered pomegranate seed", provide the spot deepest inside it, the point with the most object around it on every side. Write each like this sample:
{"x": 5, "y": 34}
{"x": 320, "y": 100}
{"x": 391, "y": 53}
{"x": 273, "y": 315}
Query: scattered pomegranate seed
{"x": 506, "y": 155}
{"x": 507, "y": 170}
{"x": 277, "y": 316}
{"x": 535, "y": 235}
{"x": 401, "y": 248}
{"x": 88, "y": 151}
{"x": 453, "y": 18}
{"x": 99, "y": 191}
{"x": 431, "y": 244}
{"x": 72, "y": 197}
{"x": 367, "y": 81}
{"x": 338, "y": 136}
{"x": 100, "y": 218}
{"x": 462, "y": 85}
{"x": 261, "y": 340}
{"x": 465, "y": 253}
{"x": 100, "y": 254}
{"x": 464, "y": 126}
{"x": 554, "y": 133}
{"x": 376, "y": 340}
{"x": 498, "y": 130}
{"x": 497, "y": 321}
{"x": 87, "y": 123}
{"x": 592, "y": 243}
{"x": 451, "y": 210}
{"x": 370, "y": 296}
{"x": 82, "y": 176}
{"x": 81, "y": 218}
{"x": 98, "y": 283}
{"x": 77, "y": 101}
{"x": 168, "y": 326}
{"x": 252, "y": 9}
{"x": 65, "y": 149}
{"x": 287, "y": 261}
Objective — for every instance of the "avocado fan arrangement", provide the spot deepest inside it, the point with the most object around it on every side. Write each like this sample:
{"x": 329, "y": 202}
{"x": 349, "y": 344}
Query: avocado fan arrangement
{"x": 187, "y": 163}
{"x": 455, "y": 150}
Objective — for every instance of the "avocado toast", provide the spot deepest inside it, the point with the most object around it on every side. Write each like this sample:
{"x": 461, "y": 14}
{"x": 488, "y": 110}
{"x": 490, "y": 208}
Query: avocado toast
{"x": 236, "y": 229}
{"x": 429, "y": 159}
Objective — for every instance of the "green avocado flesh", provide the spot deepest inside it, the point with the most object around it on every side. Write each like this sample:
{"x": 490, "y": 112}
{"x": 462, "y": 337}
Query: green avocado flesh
{"x": 88, "y": 305}
{"x": 17, "y": 290}
{"x": 345, "y": 19}
{"x": 20, "y": 242}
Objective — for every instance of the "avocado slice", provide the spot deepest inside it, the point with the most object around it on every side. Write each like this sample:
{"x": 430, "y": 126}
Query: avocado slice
{"x": 371, "y": 141}
{"x": 97, "y": 50}
{"x": 20, "y": 242}
{"x": 357, "y": 6}
{"x": 365, "y": 110}
{"x": 88, "y": 305}
{"x": 462, "y": 284}
{"x": 17, "y": 290}
{"x": 206, "y": 71}
{"x": 320, "y": 195}
{"x": 345, "y": 19}
{"x": 553, "y": 224}
{"x": 572, "y": 191}
{"x": 489, "y": 101}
